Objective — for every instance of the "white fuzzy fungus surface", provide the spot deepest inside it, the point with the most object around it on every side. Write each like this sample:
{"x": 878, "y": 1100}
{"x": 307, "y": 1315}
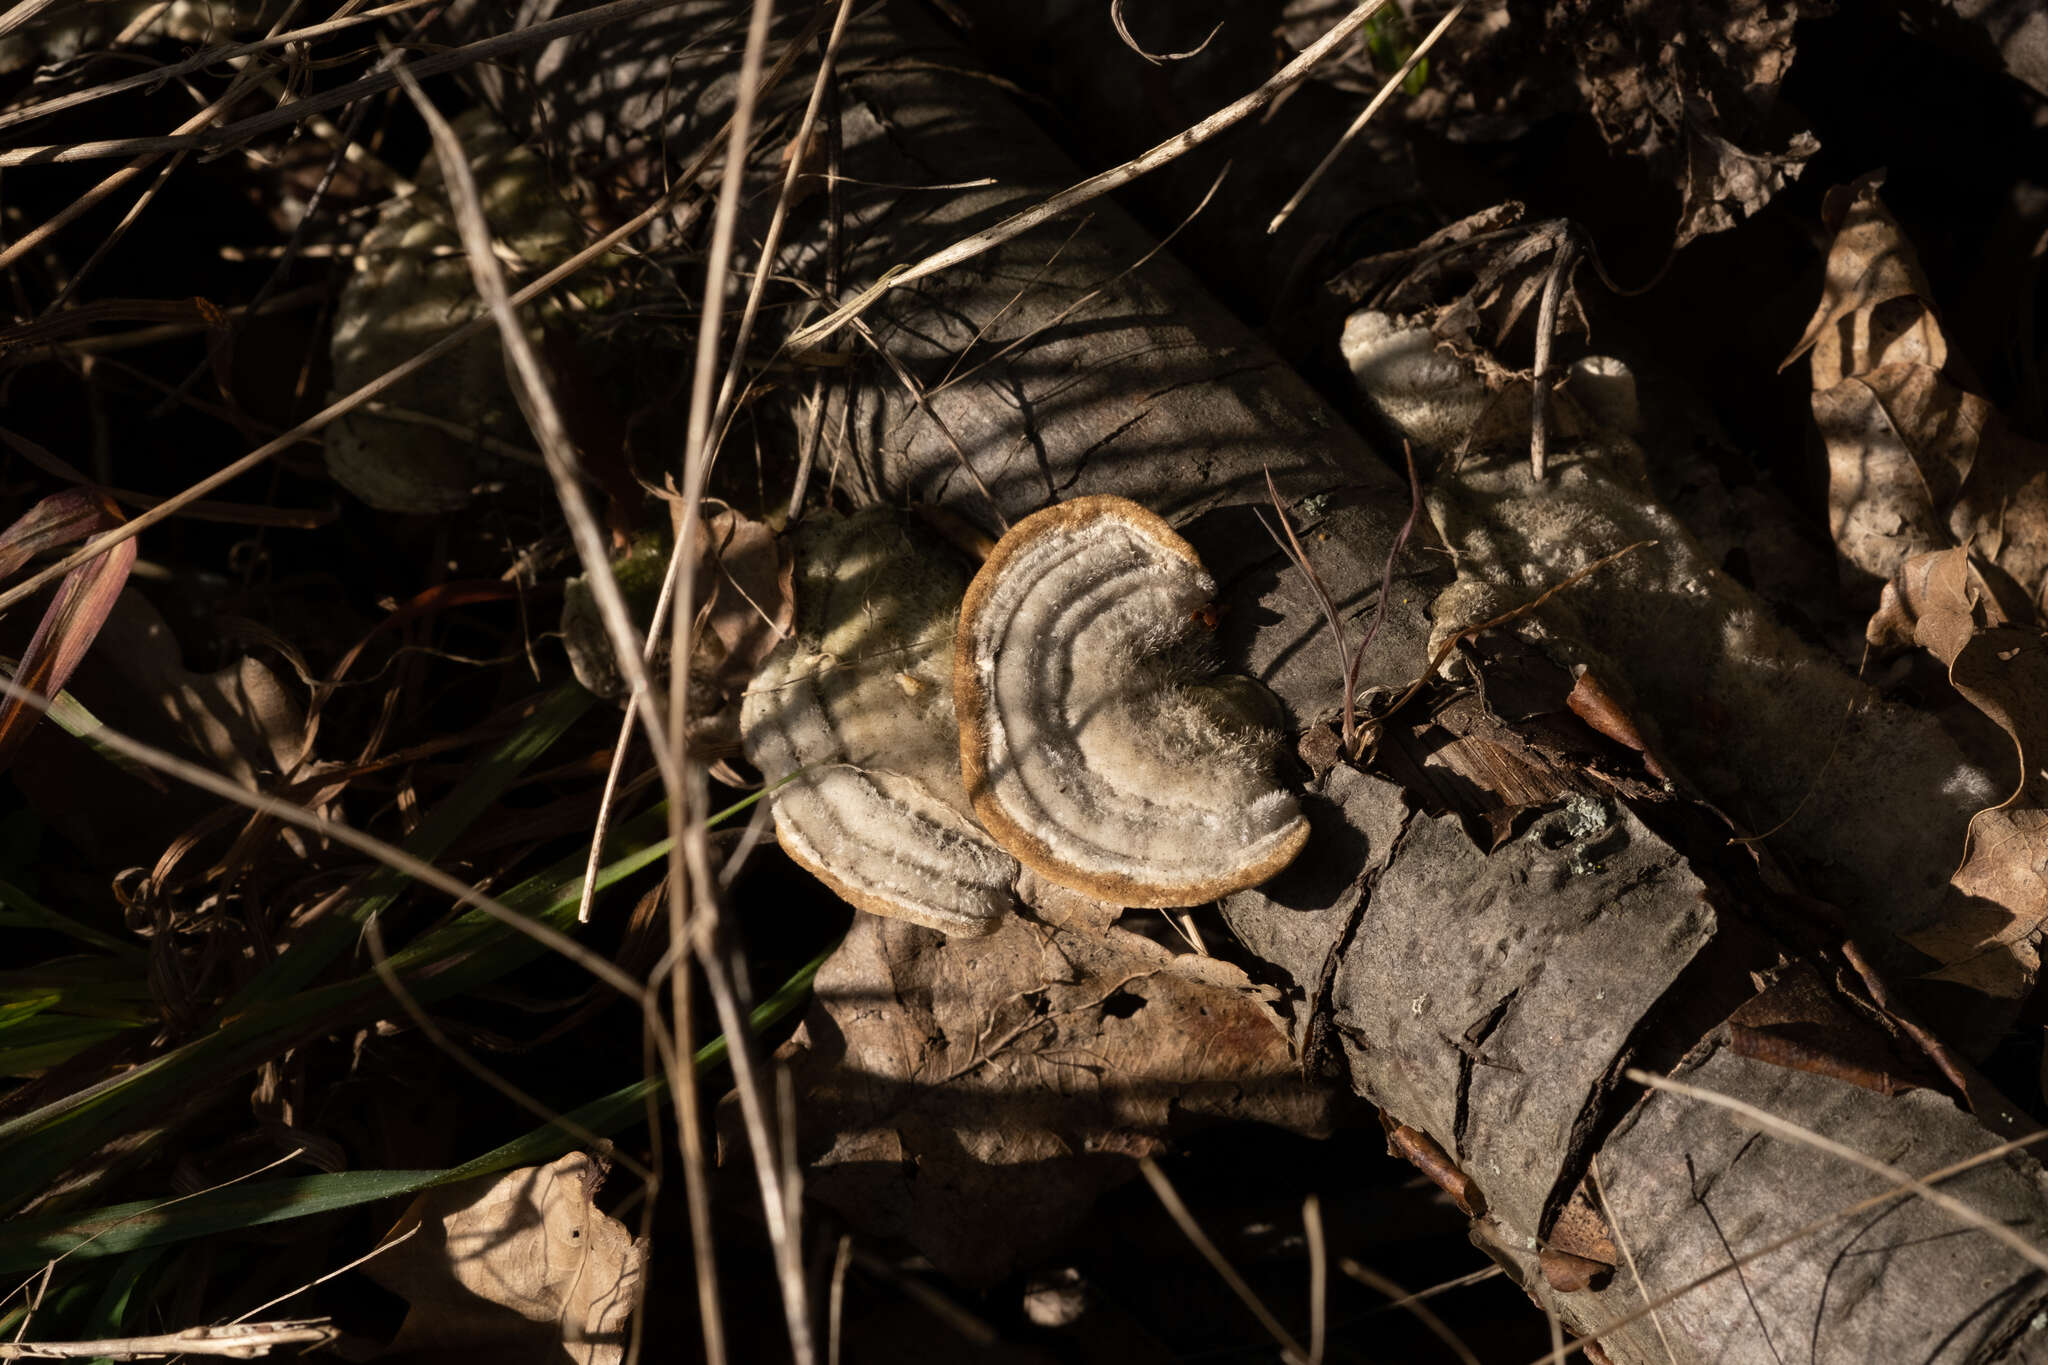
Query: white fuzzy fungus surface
{"x": 859, "y": 704}
{"x": 1084, "y": 747}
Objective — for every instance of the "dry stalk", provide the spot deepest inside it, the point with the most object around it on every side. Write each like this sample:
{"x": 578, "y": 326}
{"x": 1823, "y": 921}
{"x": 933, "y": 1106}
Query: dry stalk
{"x": 199, "y": 61}
{"x": 684, "y": 180}
{"x": 1094, "y": 187}
{"x": 1170, "y": 1199}
{"x": 469, "y": 54}
{"x": 1736, "y": 1263}
{"x": 693, "y": 900}
{"x": 1413, "y": 1303}
{"x": 245, "y": 1341}
{"x": 1386, "y": 92}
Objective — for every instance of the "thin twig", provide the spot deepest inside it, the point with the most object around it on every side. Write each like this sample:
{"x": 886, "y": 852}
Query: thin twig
{"x": 1401, "y": 1298}
{"x": 243, "y": 1341}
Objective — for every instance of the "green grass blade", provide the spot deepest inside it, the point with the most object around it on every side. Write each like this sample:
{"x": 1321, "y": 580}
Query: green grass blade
{"x": 451, "y": 816}
{"x": 27, "y": 1243}
{"x": 19, "y": 910}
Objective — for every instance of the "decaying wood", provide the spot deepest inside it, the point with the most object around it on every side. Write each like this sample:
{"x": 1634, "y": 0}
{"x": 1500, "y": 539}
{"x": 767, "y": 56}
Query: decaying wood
{"x": 1490, "y": 1000}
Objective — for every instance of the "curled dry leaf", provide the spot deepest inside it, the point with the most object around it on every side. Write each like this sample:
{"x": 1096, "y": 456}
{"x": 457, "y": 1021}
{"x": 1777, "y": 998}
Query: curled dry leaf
{"x": 80, "y": 607}
{"x": 1690, "y": 90}
{"x": 241, "y": 717}
{"x": 519, "y": 1267}
{"x": 411, "y": 287}
{"x": 1086, "y": 749}
{"x": 1916, "y": 463}
{"x": 1986, "y": 933}
{"x": 974, "y": 1096}
{"x": 853, "y": 716}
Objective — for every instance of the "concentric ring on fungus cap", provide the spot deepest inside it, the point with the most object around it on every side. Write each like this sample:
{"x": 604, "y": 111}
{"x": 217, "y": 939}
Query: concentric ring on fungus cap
{"x": 1084, "y": 749}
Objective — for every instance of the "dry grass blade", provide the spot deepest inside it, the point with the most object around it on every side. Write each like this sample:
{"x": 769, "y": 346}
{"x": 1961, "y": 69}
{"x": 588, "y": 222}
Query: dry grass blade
{"x": 1554, "y": 285}
{"x": 1797, "y": 1235}
{"x": 693, "y": 900}
{"x": 1413, "y": 1303}
{"x": 545, "y": 419}
{"x": 726, "y": 396}
{"x": 469, "y": 54}
{"x": 199, "y": 61}
{"x": 240, "y": 1341}
{"x": 1123, "y": 31}
{"x": 836, "y": 1301}
{"x": 1785, "y": 1128}
{"x": 1095, "y": 186}
{"x": 1386, "y": 92}
{"x": 529, "y": 381}
{"x": 23, "y": 11}
{"x": 1169, "y": 1198}
{"x": 393, "y": 857}
{"x": 1318, "y": 1277}
{"x": 284, "y": 1160}
{"x": 684, "y": 180}
{"x": 1630, "y": 1256}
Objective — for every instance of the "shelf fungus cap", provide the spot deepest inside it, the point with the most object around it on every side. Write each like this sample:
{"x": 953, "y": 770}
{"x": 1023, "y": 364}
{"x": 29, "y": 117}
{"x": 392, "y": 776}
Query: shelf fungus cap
{"x": 858, "y": 704}
{"x": 1089, "y": 745}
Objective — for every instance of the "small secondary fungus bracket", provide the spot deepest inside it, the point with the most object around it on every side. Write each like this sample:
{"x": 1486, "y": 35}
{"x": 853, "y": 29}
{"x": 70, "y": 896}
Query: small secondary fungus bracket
{"x": 858, "y": 705}
{"x": 1089, "y": 746}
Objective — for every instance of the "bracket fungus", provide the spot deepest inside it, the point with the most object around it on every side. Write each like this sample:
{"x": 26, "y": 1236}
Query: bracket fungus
{"x": 1089, "y": 745}
{"x": 858, "y": 705}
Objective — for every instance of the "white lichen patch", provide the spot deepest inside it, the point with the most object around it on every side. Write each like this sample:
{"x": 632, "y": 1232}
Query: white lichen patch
{"x": 859, "y": 705}
{"x": 1086, "y": 747}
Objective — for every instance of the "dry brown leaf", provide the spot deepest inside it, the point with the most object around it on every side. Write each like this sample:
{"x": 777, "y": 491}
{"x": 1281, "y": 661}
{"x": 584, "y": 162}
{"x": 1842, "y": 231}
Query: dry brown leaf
{"x": 240, "y": 717}
{"x": 1916, "y": 463}
{"x": 512, "y": 1268}
{"x": 974, "y": 1095}
{"x": 1875, "y": 306}
{"x": 1901, "y": 442}
{"x": 751, "y": 598}
{"x": 1986, "y": 933}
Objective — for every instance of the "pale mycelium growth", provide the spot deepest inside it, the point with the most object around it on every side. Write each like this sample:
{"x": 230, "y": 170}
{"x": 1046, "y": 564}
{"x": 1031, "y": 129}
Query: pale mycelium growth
{"x": 1088, "y": 748}
{"x": 859, "y": 705}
